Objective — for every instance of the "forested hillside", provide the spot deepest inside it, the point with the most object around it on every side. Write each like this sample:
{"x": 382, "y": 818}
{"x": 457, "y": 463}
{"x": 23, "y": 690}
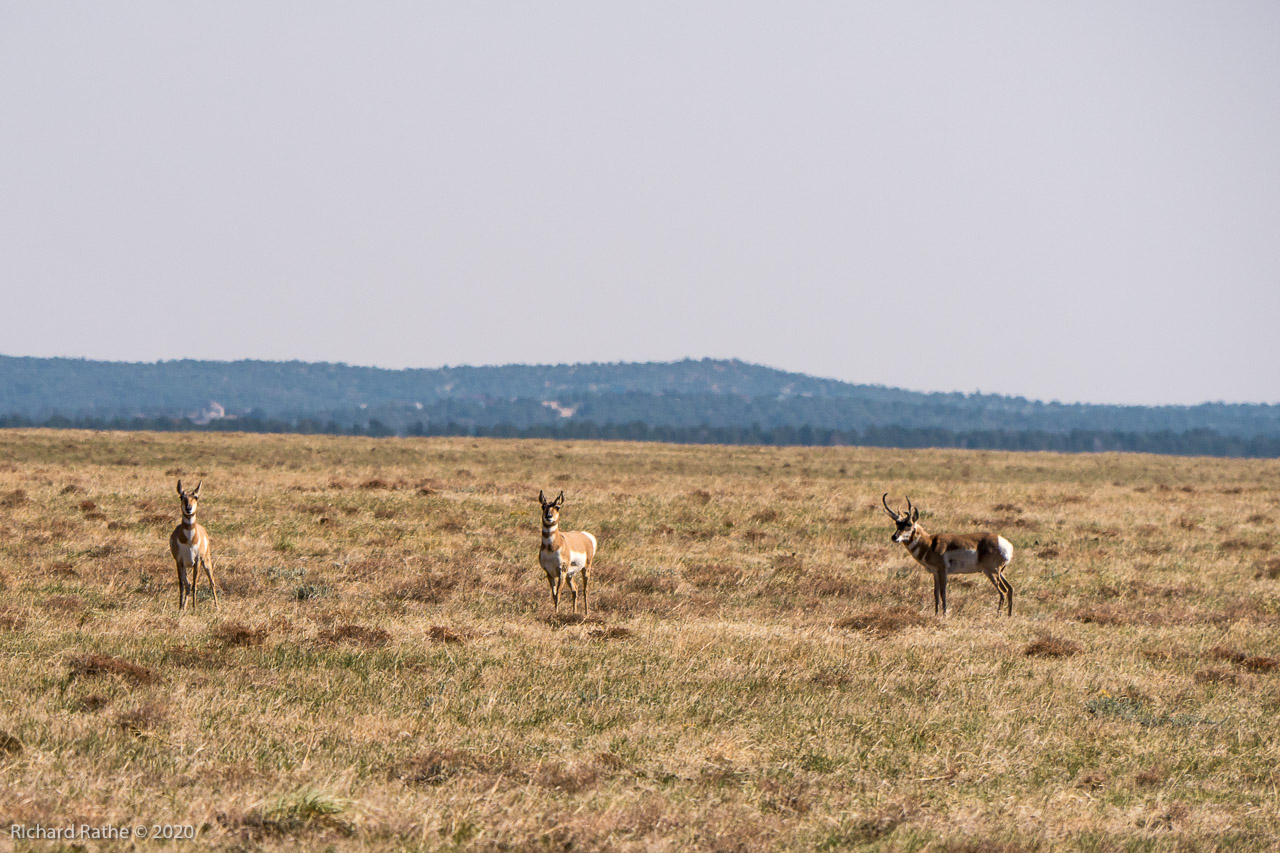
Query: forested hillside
{"x": 725, "y": 401}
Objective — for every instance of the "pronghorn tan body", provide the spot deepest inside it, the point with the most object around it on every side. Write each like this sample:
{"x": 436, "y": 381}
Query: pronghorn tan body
{"x": 189, "y": 545}
{"x": 564, "y": 556}
{"x": 954, "y": 554}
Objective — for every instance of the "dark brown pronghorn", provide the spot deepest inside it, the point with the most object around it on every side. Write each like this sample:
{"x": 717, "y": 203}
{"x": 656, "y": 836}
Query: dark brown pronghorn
{"x": 564, "y": 556}
{"x": 189, "y": 545}
{"x": 954, "y": 554}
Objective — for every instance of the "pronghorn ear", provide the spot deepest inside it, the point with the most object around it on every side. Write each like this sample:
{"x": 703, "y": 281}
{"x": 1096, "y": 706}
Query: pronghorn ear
{"x": 196, "y": 493}
{"x": 560, "y": 500}
{"x": 915, "y": 515}
{"x": 179, "y": 487}
{"x": 542, "y": 499}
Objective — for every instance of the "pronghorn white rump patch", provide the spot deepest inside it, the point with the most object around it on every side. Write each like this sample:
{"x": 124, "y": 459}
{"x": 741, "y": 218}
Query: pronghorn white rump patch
{"x": 1006, "y": 549}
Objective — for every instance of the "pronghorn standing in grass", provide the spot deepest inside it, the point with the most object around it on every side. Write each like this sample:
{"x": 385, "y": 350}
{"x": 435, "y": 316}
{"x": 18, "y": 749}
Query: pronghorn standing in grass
{"x": 954, "y": 554}
{"x": 564, "y": 555}
{"x": 189, "y": 545}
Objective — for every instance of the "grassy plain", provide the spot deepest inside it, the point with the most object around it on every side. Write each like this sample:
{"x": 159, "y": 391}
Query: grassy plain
{"x": 761, "y": 670}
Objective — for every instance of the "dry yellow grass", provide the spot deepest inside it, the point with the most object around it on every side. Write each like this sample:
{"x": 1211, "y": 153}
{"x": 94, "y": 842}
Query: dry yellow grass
{"x": 762, "y": 669}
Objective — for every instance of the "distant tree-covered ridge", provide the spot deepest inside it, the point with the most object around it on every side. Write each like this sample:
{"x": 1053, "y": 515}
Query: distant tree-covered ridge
{"x": 724, "y": 401}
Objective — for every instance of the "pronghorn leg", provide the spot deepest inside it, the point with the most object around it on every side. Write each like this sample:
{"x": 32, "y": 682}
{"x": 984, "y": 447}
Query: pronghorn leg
{"x": 208, "y": 573}
{"x": 998, "y": 583}
{"x": 940, "y": 590}
{"x": 182, "y": 586}
{"x": 555, "y": 591}
{"x": 1008, "y": 589}
{"x": 584, "y": 593}
{"x": 573, "y": 585}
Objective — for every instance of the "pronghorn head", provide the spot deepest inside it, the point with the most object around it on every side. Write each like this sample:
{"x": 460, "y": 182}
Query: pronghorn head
{"x": 906, "y": 521}
{"x": 189, "y": 499}
{"x": 550, "y": 509}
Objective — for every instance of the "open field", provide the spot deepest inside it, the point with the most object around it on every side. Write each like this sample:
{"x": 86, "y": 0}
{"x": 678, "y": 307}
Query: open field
{"x": 761, "y": 670}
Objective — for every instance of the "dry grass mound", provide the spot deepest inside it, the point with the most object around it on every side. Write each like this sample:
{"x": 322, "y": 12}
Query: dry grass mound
{"x": 437, "y": 766}
{"x": 613, "y": 632}
{"x": 445, "y": 634}
{"x": 884, "y": 620}
{"x": 1256, "y": 663}
{"x": 1048, "y": 646}
{"x": 360, "y": 635}
{"x": 239, "y": 634}
{"x": 93, "y": 666}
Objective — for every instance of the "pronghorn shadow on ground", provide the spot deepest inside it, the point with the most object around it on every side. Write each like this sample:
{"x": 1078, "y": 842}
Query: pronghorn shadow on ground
{"x": 559, "y": 620}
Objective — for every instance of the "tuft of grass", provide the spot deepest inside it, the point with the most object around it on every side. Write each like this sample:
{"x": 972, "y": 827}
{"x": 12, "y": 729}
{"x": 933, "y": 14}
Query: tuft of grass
{"x": 90, "y": 703}
{"x": 303, "y": 812}
{"x": 1107, "y": 614}
{"x": 143, "y": 720}
{"x": 864, "y": 830}
{"x": 311, "y": 591}
{"x": 1138, "y": 709}
{"x": 1150, "y": 777}
{"x": 308, "y": 804}
{"x": 9, "y": 745}
{"x": 424, "y": 589}
{"x": 1048, "y": 646}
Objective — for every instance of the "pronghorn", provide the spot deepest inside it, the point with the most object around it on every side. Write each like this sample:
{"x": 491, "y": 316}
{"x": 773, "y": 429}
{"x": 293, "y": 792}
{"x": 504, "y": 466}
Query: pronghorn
{"x": 954, "y": 554}
{"x": 189, "y": 545}
{"x": 564, "y": 555}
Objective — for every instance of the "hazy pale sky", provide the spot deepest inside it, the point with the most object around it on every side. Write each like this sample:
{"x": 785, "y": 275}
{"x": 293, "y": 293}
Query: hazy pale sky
{"x": 1073, "y": 201}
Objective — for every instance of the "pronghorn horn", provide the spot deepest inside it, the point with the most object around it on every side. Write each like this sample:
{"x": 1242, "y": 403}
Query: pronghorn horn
{"x": 892, "y": 514}
{"x": 909, "y": 506}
